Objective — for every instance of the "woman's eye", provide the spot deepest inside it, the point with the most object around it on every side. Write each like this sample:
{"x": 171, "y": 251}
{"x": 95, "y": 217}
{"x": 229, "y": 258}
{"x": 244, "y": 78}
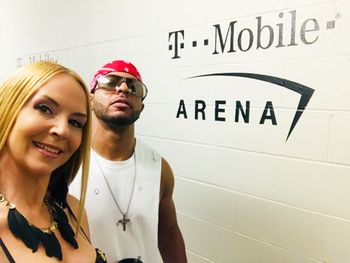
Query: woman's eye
{"x": 43, "y": 108}
{"x": 76, "y": 123}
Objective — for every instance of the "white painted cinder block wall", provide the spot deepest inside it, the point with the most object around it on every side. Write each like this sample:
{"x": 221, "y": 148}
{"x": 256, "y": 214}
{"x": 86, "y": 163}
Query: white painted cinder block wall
{"x": 243, "y": 192}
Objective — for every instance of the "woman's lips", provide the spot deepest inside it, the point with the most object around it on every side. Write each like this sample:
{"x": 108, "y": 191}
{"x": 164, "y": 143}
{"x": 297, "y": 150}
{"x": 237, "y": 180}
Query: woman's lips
{"x": 48, "y": 150}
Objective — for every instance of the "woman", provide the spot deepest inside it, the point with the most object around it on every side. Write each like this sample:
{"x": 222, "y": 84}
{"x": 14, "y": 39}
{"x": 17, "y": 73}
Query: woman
{"x": 44, "y": 138}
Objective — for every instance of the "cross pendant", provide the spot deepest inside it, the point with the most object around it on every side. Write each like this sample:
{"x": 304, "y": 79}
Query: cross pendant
{"x": 123, "y": 221}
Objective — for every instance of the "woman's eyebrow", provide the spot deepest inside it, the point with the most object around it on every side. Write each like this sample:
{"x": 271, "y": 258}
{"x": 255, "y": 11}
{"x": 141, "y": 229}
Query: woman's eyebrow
{"x": 51, "y": 99}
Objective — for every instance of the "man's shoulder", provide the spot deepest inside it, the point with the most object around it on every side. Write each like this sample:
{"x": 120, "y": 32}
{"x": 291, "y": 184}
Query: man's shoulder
{"x": 143, "y": 148}
{"x": 142, "y": 144}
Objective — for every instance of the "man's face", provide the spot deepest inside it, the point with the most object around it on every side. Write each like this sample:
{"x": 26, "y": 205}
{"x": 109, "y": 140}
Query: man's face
{"x": 119, "y": 107}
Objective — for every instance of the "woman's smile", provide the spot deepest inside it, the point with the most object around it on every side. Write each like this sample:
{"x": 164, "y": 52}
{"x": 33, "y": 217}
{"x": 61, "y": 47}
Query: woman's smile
{"x": 48, "y": 150}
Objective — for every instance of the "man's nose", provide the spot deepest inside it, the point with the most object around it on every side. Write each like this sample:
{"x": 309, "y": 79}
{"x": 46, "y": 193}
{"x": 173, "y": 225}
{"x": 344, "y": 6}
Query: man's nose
{"x": 122, "y": 87}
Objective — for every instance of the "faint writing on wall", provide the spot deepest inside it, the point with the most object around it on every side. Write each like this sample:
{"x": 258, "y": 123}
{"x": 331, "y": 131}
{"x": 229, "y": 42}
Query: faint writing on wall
{"x": 21, "y": 61}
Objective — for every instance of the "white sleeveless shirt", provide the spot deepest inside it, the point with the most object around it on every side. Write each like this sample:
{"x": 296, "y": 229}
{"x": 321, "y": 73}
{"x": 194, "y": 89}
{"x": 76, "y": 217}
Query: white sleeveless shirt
{"x": 140, "y": 239}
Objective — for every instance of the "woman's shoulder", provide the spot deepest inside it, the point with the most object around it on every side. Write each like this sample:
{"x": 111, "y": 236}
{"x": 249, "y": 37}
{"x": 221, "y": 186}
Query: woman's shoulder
{"x": 73, "y": 207}
{"x": 73, "y": 202}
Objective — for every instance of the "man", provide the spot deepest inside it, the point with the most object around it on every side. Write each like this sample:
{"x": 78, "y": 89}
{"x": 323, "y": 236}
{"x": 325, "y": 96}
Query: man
{"x": 129, "y": 198}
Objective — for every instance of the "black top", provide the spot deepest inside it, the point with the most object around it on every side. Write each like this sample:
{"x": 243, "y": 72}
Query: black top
{"x": 100, "y": 257}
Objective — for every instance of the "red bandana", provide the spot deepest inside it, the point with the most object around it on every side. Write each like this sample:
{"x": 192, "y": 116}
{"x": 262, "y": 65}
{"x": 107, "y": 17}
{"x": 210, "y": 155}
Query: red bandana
{"x": 115, "y": 66}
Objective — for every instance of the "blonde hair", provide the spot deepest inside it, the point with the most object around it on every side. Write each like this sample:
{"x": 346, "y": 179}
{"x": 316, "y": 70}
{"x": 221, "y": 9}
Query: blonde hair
{"x": 16, "y": 91}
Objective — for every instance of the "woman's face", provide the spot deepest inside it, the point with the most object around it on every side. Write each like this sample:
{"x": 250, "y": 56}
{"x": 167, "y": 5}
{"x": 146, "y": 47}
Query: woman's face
{"x": 48, "y": 129}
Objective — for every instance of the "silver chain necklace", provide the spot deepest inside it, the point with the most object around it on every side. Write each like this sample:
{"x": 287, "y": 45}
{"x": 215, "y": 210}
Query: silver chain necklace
{"x": 123, "y": 221}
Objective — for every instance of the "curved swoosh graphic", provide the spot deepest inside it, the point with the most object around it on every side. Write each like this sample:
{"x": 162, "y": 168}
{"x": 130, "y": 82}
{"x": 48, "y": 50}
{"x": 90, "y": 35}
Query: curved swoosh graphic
{"x": 304, "y": 91}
